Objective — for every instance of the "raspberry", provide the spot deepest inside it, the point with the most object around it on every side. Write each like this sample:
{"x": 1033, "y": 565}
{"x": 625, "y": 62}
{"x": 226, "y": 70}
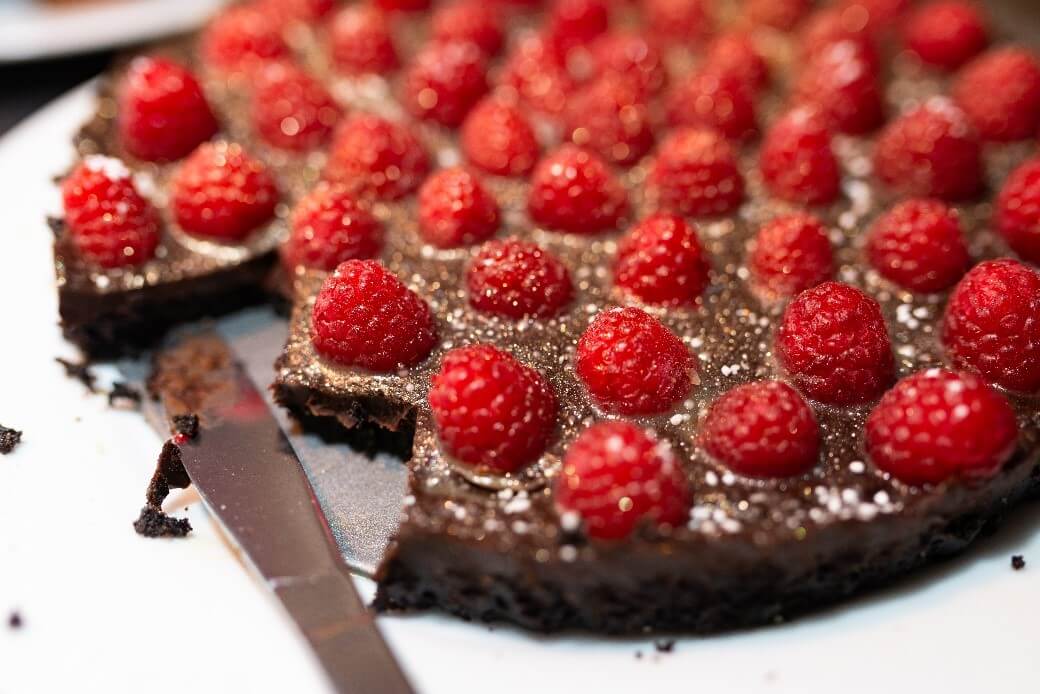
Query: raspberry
{"x": 833, "y": 342}
{"x": 876, "y": 15}
{"x": 931, "y": 151}
{"x": 491, "y": 411}
{"x": 535, "y": 71}
{"x": 364, "y": 316}
{"x": 695, "y": 174}
{"x": 242, "y": 38}
{"x": 610, "y": 117}
{"x": 631, "y": 56}
{"x": 919, "y": 245}
{"x": 576, "y": 22}
{"x": 713, "y": 99}
{"x": 779, "y": 14}
{"x": 361, "y": 41}
{"x": 763, "y": 429}
{"x": 573, "y": 190}
{"x": 992, "y": 324}
{"x": 631, "y": 364}
{"x": 616, "y": 476}
{"x": 403, "y": 5}
{"x": 517, "y": 279}
{"x": 790, "y": 254}
{"x": 937, "y": 425}
{"x": 797, "y": 160}
{"x": 111, "y": 224}
{"x": 163, "y": 113}
{"x": 1018, "y": 211}
{"x": 946, "y": 34}
{"x": 328, "y": 226}
{"x": 444, "y": 81}
{"x": 832, "y": 25}
{"x": 377, "y": 157}
{"x": 735, "y": 55}
{"x": 291, "y": 109}
{"x": 309, "y": 11}
{"x": 661, "y": 261}
{"x": 1000, "y": 93}
{"x": 470, "y": 21}
{"x": 222, "y": 193}
{"x": 843, "y": 86}
{"x": 677, "y": 20}
{"x": 497, "y": 138}
{"x": 455, "y": 210}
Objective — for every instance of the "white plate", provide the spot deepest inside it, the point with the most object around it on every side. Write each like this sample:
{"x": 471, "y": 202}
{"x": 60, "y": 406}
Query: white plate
{"x": 33, "y": 29}
{"x": 108, "y": 611}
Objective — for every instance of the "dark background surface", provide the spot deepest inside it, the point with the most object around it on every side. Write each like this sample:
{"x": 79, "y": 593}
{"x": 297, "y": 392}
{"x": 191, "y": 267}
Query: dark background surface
{"x": 24, "y": 88}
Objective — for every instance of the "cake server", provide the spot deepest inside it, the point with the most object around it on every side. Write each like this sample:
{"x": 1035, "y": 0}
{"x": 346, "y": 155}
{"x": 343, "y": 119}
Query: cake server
{"x": 250, "y": 478}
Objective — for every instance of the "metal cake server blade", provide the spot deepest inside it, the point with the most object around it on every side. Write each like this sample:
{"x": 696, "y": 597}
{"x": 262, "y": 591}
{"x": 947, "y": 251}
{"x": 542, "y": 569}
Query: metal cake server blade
{"x": 247, "y": 472}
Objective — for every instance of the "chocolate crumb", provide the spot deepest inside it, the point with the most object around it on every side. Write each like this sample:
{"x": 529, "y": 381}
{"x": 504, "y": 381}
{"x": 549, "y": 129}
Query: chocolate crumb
{"x": 123, "y": 392}
{"x": 639, "y": 655}
{"x": 154, "y": 523}
{"x": 15, "y": 620}
{"x": 79, "y": 371}
{"x": 57, "y": 225}
{"x": 664, "y": 645}
{"x": 169, "y": 473}
{"x": 9, "y": 438}
{"x": 1018, "y": 562}
{"x": 186, "y": 425}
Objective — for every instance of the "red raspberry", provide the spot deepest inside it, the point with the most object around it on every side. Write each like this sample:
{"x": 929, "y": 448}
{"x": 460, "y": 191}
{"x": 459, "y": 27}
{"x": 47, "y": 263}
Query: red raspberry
{"x": 517, "y": 279}
{"x": 931, "y": 151}
{"x": 491, "y": 411}
{"x": 377, "y": 157}
{"x": 361, "y": 41}
{"x": 222, "y": 193}
{"x": 291, "y": 109}
{"x": 611, "y": 117}
{"x": 834, "y": 343}
{"x": 791, "y": 254}
{"x": 309, "y": 11}
{"x": 241, "y": 38}
{"x": 832, "y": 25}
{"x": 937, "y": 425}
{"x": 695, "y": 174}
{"x": 919, "y": 244}
{"x": 497, "y": 138}
{"x": 716, "y": 100}
{"x": 876, "y": 15}
{"x": 797, "y": 160}
{"x": 1018, "y": 211}
{"x": 779, "y": 14}
{"x": 444, "y": 81}
{"x": 946, "y": 34}
{"x": 573, "y": 190}
{"x": 111, "y": 224}
{"x": 661, "y": 261}
{"x": 470, "y": 21}
{"x": 1000, "y": 93}
{"x": 163, "y": 113}
{"x": 617, "y": 476}
{"x": 735, "y": 55}
{"x": 364, "y": 316}
{"x": 632, "y": 56}
{"x": 535, "y": 71}
{"x": 992, "y": 324}
{"x": 328, "y": 226}
{"x": 677, "y": 20}
{"x": 455, "y": 210}
{"x": 576, "y": 22}
{"x": 763, "y": 429}
{"x": 631, "y": 364}
{"x": 843, "y": 86}
{"x": 403, "y": 5}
